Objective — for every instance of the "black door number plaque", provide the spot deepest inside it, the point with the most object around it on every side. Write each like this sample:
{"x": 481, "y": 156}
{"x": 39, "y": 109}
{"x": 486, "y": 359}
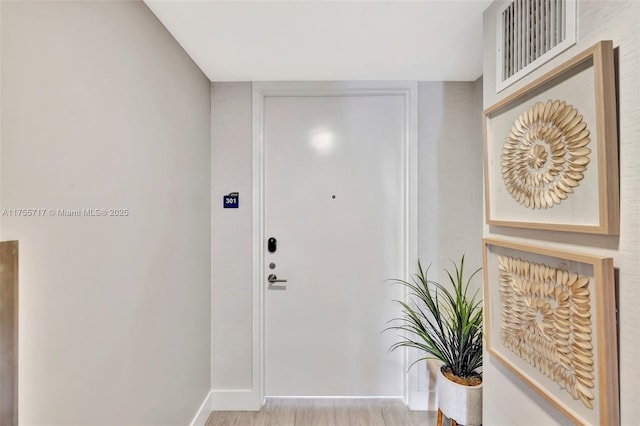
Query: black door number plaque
{"x": 231, "y": 201}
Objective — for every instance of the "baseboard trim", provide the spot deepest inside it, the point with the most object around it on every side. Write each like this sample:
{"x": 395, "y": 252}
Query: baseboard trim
{"x": 248, "y": 400}
{"x": 421, "y": 401}
{"x": 200, "y": 419}
{"x": 335, "y": 397}
{"x": 235, "y": 400}
{"x": 423, "y": 397}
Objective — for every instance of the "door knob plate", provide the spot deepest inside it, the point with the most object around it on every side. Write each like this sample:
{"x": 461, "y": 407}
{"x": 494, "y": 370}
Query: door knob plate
{"x": 273, "y": 279}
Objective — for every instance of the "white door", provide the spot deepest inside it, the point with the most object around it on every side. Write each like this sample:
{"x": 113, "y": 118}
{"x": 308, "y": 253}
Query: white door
{"x": 334, "y": 196}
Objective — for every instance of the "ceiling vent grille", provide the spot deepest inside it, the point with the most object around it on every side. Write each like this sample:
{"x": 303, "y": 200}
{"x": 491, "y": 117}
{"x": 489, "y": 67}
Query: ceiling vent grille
{"x": 531, "y": 32}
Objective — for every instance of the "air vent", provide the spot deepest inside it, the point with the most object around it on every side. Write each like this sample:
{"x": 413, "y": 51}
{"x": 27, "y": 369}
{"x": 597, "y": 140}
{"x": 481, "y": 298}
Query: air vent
{"x": 531, "y": 32}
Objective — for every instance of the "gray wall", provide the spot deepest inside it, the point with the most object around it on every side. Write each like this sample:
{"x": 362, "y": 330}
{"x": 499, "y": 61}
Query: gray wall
{"x": 506, "y": 399}
{"x": 231, "y": 243}
{"x": 102, "y": 109}
{"x": 449, "y": 184}
{"x": 449, "y": 175}
{"x": 450, "y": 206}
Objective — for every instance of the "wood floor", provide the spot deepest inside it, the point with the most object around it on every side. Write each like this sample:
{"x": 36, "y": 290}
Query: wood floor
{"x": 325, "y": 412}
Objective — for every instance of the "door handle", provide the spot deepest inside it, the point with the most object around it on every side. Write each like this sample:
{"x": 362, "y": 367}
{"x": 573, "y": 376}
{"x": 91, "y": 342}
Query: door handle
{"x": 273, "y": 279}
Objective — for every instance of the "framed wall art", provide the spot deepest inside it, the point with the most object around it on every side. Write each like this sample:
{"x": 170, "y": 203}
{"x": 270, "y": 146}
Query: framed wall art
{"x": 550, "y": 319}
{"x": 551, "y": 150}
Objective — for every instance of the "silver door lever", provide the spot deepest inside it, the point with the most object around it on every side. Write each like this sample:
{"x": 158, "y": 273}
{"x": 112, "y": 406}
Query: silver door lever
{"x": 273, "y": 279}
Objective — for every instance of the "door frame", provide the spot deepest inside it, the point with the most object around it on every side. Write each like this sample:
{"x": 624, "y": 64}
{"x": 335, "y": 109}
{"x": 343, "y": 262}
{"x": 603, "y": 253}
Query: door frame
{"x": 409, "y": 91}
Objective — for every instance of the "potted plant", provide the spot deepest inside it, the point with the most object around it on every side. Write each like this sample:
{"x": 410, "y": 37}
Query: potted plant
{"x": 445, "y": 322}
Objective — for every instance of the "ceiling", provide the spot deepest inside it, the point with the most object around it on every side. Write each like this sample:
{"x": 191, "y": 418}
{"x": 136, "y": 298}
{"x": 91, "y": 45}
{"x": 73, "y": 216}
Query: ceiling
{"x": 300, "y": 40}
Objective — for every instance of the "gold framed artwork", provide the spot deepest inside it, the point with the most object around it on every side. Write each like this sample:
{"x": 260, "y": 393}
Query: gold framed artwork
{"x": 551, "y": 150}
{"x": 550, "y": 318}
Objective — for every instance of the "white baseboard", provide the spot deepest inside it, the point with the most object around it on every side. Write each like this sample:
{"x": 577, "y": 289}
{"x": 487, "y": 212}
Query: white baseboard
{"x": 200, "y": 419}
{"x": 424, "y": 399}
{"x": 235, "y": 400}
{"x": 248, "y": 400}
{"x": 336, "y": 397}
{"x": 433, "y": 367}
{"x": 420, "y": 401}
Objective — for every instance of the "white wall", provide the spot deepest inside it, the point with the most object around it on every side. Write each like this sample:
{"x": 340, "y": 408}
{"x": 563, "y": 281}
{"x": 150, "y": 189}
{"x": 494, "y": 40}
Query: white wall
{"x": 449, "y": 183}
{"x": 450, "y": 199}
{"x": 506, "y": 399}
{"x": 450, "y": 175}
{"x": 101, "y": 108}
{"x": 231, "y": 238}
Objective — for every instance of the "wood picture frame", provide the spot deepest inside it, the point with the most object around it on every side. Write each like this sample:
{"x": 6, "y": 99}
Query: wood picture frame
{"x": 551, "y": 150}
{"x": 550, "y": 318}
{"x": 9, "y": 333}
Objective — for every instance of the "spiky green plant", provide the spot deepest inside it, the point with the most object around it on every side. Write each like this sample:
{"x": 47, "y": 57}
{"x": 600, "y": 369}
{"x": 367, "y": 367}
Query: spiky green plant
{"x": 444, "y": 323}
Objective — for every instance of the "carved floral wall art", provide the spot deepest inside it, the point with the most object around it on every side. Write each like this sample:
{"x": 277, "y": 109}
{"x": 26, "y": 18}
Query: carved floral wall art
{"x": 551, "y": 149}
{"x": 546, "y": 320}
{"x": 550, "y": 318}
{"x": 546, "y": 154}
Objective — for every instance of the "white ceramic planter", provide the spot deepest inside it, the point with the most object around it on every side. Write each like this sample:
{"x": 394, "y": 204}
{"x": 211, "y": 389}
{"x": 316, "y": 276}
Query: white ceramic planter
{"x": 460, "y": 403}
